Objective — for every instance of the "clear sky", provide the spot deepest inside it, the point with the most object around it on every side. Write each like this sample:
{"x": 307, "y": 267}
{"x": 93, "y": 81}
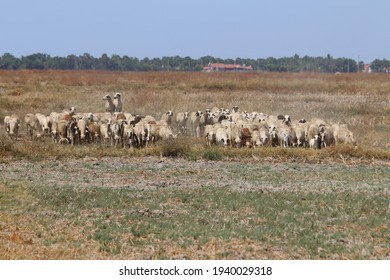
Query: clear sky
{"x": 196, "y": 28}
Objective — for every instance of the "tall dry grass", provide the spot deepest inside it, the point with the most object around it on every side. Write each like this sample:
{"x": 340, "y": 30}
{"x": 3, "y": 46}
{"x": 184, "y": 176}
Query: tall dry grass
{"x": 361, "y": 101}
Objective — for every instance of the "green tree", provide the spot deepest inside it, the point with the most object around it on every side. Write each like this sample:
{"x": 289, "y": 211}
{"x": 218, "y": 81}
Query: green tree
{"x": 8, "y": 61}
{"x": 86, "y": 62}
{"x": 35, "y": 61}
{"x": 380, "y": 65}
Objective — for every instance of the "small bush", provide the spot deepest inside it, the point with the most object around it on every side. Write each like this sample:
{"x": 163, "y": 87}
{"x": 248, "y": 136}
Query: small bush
{"x": 5, "y": 145}
{"x": 175, "y": 148}
{"x": 7, "y": 148}
{"x": 213, "y": 154}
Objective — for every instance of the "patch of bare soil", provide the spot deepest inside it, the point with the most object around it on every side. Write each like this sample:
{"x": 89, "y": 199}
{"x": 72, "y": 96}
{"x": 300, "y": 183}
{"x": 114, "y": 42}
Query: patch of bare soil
{"x": 239, "y": 174}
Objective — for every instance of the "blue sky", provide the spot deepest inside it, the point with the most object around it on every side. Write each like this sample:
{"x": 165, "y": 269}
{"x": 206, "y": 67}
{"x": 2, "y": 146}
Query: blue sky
{"x": 196, "y": 28}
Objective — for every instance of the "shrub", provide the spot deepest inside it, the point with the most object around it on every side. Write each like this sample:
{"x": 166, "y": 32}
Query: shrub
{"x": 5, "y": 145}
{"x": 175, "y": 148}
{"x": 213, "y": 154}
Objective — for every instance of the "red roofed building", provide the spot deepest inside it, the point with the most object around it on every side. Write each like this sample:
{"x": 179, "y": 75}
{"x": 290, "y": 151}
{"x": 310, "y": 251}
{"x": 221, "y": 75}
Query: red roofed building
{"x": 221, "y": 67}
{"x": 367, "y": 68}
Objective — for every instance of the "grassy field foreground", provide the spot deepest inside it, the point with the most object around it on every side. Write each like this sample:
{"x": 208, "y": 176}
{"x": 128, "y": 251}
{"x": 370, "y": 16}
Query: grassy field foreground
{"x": 152, "y": 208}
{"x": 187, "y": 201}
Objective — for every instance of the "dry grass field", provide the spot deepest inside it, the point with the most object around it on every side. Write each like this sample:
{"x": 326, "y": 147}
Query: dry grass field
{"x": 183, "y": 200}
{"x": 361, "y": 101}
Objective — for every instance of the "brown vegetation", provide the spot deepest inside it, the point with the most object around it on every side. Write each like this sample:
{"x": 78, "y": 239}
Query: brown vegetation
{"x": 358, "y": 100}
{"x": 271, "y": 202}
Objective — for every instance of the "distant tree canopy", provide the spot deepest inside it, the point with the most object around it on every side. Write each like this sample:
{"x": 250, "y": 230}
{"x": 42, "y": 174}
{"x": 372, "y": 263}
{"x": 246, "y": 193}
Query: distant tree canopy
{"x": 177, "y": 63}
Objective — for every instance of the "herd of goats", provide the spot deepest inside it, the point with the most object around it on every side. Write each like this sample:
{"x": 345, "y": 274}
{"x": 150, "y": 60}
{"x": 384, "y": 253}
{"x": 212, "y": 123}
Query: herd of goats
{"x": 218, "y": 126}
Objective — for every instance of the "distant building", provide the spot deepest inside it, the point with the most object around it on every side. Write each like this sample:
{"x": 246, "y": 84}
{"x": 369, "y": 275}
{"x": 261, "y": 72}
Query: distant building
{"x": 367, "y": 68}
{"x": 221, "y": 67}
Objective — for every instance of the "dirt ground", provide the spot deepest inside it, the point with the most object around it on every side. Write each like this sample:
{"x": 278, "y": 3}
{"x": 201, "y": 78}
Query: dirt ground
{"x": 255, "y": 175}
{"x": 247, "y": 174}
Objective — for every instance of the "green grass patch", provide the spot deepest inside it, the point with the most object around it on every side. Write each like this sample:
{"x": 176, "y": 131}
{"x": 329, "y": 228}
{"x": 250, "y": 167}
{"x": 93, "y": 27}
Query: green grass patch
{"x": 325, "y": 225}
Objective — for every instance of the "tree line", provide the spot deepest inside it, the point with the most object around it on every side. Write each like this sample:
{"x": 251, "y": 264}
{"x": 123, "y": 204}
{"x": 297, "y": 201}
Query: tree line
{"x": 326, "y": 64}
